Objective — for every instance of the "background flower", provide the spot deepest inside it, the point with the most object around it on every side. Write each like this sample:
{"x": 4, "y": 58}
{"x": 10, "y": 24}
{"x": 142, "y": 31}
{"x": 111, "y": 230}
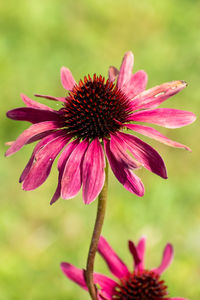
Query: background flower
{"x": 37, "y": 37}
{"x": 130, "y": 284}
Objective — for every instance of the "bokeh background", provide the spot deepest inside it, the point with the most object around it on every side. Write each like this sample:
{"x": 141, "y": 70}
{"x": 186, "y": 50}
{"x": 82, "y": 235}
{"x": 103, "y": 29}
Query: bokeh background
{"x": 36, "y": 39}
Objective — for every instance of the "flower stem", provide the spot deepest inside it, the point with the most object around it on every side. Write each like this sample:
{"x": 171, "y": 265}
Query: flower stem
{"x": 101, "y": 209}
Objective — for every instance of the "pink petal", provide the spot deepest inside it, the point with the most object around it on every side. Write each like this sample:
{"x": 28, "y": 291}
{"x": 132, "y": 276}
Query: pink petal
{"x": 115, "y": 264}
{"x": 134, "y": 252}
{"x": 72, "y": 177}
{"x": 74, "y": 274}
{"x": 128, "y": 179}
{"x": 106, "y": 284}
{"x": 61, "y": 99}
{"x": 141, "y": 251}
{"x": 166, "y": 117}
{"x": 156, "y": 135}
{"x": 136, "y": 84}
{"x": 166, "y": 260}
{"x": 177, "y": 298}
{"x": 125, "y": 69}
{"x": 39, "y": 146}
{"x": 29, "y": 133}
{"x": 145, "y": 154}
{"x": 113, "y": 73}
{"x": 93, "y": 171}
{"x": 32, "y": 115}
{"x": 153, "y": 97}
{"x": 31, "y": 103}
{"x": 42, "y": 163}
{"x": 67, "y": 79}
{"x": 138, "y": 253}
{"x": 61, "y": 165}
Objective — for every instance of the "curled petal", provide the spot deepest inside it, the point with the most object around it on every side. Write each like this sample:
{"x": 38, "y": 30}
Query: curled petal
{"x": 32, "y": 115}
{"x": 166, "y": 260}
{"x": 153, "y": 97}
{"x": 61, "y": 99}
{"x": 67, "y": 79}
{"x": 72, "y": 177}
{"x": 74, "y": 274}
{"x": 166, "y": 117}
{"x": 127, "y": 178}
{"x": 145, "y": 154}
{"x": 61, "y": 165}
{"x": 156, "y": 135}
{"x": 125, "y": 69}
{"x": 136, "y": 84}
{"x": 115, "y": 264}
{"x": 113, "y": 73}
{"x": 42, "y": 163}
{"x": 29, "y": 133}
{"x": 93, "y": 174}
{"x": 31, "y": 103}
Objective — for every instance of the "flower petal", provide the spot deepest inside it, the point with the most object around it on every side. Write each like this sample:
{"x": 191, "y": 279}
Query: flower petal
{"x": 31, "y": 103}
{"x": 136, "y": 84}
{"x": 138, "y": 253}
{"x": 115, "y": 264}
{"x": 29, "y": 133}
{"x": 32, "y": 115}
{"x": 178, "y": 298}
{"x": 156, "y": 135}
{"x": 72, "y": 177}
{"x": 74, "y": 274}
{"x": 125, "y": 69}
{"x": 166, "y": 117}
{"x": 113, "y": 73}
{"x": 127, "y": 178}
{"x": 145, "y": 154}
{"x": 168, "y": 254}
{"x": 42, "y": 163}
{"x": 61, "y": 165}
{"x": 93, "y": 175}
{"x": 107, "y": 286}
{"x": 141, "y": 251}
{"x": 153, "y": 97}
{"x": 67, "y": 79}
{"x": 61, "y": 99}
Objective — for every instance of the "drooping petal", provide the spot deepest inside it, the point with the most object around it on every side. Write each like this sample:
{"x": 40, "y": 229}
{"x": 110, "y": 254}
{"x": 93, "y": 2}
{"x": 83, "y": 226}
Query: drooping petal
{"x": 39, "y": 146}
{"x": 125, "y": 69}
{"x": 153, "y": 97}
{"x": 145, "y": 154}
{"x": 166, "y": 117}
{"x": 31, "y": 103}
{"x": 93, "y": 174}
{"x": 113, "y": 73}
{"x": 67, "y": 79}
{"x": 156, "y": 135}
{"x": 136, "y": 84}
{"x": 72, "y": 177}
{"x": 107, "y": 286}
{"x": 42, "y": 163}
{"x": 29, "y": 133}
{"x": 128, "y": 179}
{"x": 61, "y": 165}
{"x": 74, "y": 274}
{"x": 115, "y": 264}
{"x": 61, "y": 99}
{"x": 167, "y": 258}
{"x": 32, "y": 115}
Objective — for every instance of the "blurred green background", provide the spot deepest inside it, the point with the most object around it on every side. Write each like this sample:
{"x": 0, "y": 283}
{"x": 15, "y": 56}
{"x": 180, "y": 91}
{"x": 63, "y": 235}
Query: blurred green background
{"x": 36, "y": 39}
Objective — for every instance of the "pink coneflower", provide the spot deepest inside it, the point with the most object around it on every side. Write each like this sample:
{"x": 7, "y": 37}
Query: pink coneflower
{"x": 89, "y": 126}
{"x": 139, "y": 284}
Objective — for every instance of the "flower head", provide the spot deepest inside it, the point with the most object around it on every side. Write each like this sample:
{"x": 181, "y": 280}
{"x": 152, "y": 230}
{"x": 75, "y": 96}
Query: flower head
{"x": 139, "y": 284}
{"x": 89, "y": 127}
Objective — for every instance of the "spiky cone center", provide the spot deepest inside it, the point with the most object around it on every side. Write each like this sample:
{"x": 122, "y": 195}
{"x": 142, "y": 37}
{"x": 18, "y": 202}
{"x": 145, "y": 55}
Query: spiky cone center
{"x": 141, "y": 285}
{"x": 95, "y": 108}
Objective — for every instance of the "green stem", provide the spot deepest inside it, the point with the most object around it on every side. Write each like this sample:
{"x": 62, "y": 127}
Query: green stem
{"x": 95, "y": 237}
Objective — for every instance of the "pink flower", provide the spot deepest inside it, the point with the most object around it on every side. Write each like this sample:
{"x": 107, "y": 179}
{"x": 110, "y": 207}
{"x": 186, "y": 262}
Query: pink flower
{"x": 89, "y": 126}
{"x": 139, "y": 284}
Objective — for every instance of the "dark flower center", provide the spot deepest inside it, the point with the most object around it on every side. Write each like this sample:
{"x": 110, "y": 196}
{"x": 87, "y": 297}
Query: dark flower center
{"x": 144, "y": 285}
{"x": 95, "y": 108}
